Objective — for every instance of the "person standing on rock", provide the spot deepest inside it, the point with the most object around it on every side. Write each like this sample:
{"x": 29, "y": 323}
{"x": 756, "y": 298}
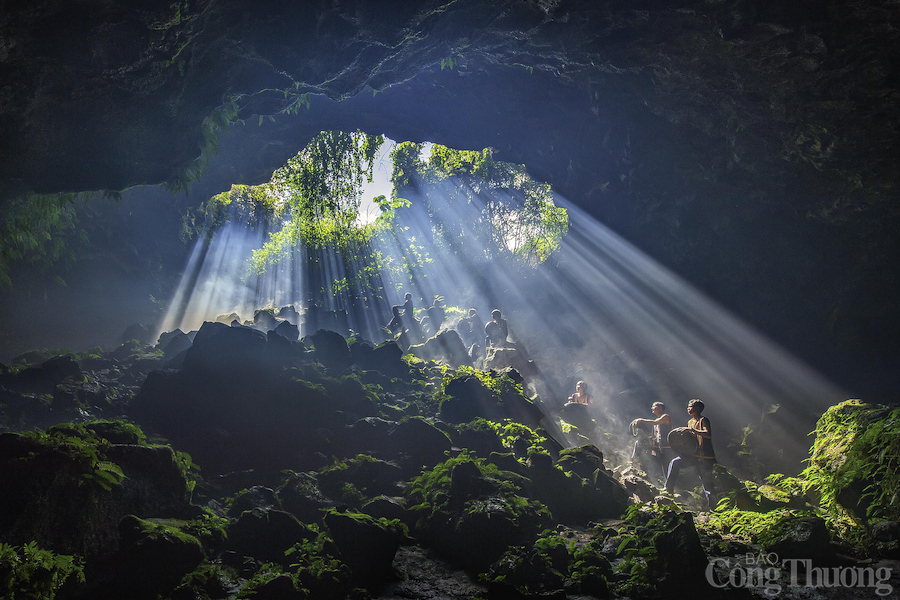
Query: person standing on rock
{"x": 662, "y": 425}
{"x": 704, "y": 459}
{"x": 496, "y": 332}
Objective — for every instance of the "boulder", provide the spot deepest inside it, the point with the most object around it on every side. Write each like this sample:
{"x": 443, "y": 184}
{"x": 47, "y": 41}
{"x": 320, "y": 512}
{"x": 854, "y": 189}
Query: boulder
{"x": 256, "y": 497}
{"x": 174, "y": 343}
{"x": 300, "y": 495}
{"x": 446, "y": 346}
{"x": 265, "y": 320}
{"x": 369, "y": 475}
{"x": 468, "y": 398}
{"x": 329, "y": 348}
{"x": 420, "y": 443}
{"x": 386, "y": 358}
{"x": 574, "y": 499}
{"x": 369, "y": 435}
{"x": 803, "y": 538}
{"x": 289, "y": 314}
{"x": 54, "y": 494}
{"x": 152, "y": 559}
{"x": 498, "y": 358}
{"x": 225, "y": 350}
{"x": 366, "y": 545}
{"x": 387, "y": 507}
{"x": 288, "y": 330}
{"x": 266, "y": 534}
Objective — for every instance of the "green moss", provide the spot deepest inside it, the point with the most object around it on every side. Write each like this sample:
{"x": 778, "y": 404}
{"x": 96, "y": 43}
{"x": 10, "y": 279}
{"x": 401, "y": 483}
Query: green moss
{"x": 854, "y": 465}
{"x": 87, "y": 444}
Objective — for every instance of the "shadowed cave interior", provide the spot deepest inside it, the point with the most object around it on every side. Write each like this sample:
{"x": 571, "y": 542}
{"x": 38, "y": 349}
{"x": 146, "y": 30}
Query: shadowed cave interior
{"x": 666, "y": 202}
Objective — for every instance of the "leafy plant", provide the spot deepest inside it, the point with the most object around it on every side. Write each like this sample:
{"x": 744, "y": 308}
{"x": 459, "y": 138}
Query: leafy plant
{"x": 32, "y": 573}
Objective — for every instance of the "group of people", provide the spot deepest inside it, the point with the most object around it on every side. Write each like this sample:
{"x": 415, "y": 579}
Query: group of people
{"x": 703, "y": 459}
{"x": 470, "y": 328}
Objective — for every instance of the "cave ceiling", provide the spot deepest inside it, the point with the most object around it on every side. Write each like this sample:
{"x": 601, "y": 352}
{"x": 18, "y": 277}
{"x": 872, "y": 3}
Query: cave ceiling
{"x": 767, "y": 129}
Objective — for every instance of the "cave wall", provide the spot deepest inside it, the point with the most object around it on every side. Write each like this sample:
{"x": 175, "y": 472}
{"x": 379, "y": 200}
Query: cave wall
{"x": 747, "y": 145}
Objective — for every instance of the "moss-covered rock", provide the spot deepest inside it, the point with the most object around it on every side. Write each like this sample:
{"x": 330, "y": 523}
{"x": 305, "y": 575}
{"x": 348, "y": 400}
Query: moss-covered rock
{"x": 553, "y": 567}
{"x": 152, "y": 559}
{"x": 68, "y": 488}
{"x": 662, "y": 553}
{"x": 367, "y": 545}
{"x": 267, "y": 534}
{"x": 472, "y": 512}
{"x": 855, "y": 461}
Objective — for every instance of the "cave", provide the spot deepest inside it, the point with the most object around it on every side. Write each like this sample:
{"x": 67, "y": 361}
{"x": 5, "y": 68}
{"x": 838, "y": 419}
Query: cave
{"x": 747, "y": 150}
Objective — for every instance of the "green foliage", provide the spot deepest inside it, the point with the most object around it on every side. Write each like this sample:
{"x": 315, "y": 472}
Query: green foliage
{"x": 857, "y": 447}
{"x": 517, "y": 220}
{"x": 755, "y": 527}
{"x": 551, "y": 564}
{"x": 38, "y": 229}
{"x": 32, "y": 573}
{"x": 315, "y": 572}
{"x": 86, "y": 445}
{"x": 510, "y": 433}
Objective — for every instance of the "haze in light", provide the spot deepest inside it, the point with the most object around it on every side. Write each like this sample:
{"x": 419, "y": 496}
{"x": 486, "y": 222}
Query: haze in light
{"x": 600, "y": 310}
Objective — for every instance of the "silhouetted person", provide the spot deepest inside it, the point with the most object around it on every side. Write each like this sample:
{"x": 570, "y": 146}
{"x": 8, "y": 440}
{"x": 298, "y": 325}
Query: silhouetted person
{"x": 662, "y": 425}
{"x": 496, "y": 332}
{"x": 580, "y": 396}
{"x": 704, "y": 459}
{"x": 470, "y": 328}
{"x": 436, "y": 316}
{"x": 395, "y": 323}
{"x": 409, "y": 313}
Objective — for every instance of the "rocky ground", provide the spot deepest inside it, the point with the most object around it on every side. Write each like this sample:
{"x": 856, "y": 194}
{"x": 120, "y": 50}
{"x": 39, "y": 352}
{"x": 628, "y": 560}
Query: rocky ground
{"x": 232, "y": 463}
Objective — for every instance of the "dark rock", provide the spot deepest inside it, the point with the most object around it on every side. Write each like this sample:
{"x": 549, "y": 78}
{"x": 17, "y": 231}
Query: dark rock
{"x": 174, "y": 343}
{"x": 477, "y": 438}
{"x": 289, "y": 314}
{"x": 386, "y": 507}
{"x": 56, "y": 369}
{"x": 368, "y": 435}
{"x": 300, "y": 495}
{"x": 446, "y": 346}
{"x": 225, "y": 350}
{"x": 259, "y": 497}
{"x": 366, "y": 546}
{"x": 639, "y": 487}
{"x": 498, "y": 358}
{"x": 288, "y": 330}
{"x": 420, "y": 443}
{"x": 803, "y": 538}
{"x": 265, "y": 320}
{"x": 385, "y": 358}
{"x": 266, "y": 534}
{"x": 886, "y": 531}
{"x": 53, "y": 495}
{"x": 583, "y": 461}
{"x": 680, "y": 562}
{"x": 370, "y": 476}
{"x": 251, "y": 417}
{"x": 468, "y": 398}
{"x": 152, "y": 558}
{"x": 572, "y": 498}
{"x": 329, "y": 348}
